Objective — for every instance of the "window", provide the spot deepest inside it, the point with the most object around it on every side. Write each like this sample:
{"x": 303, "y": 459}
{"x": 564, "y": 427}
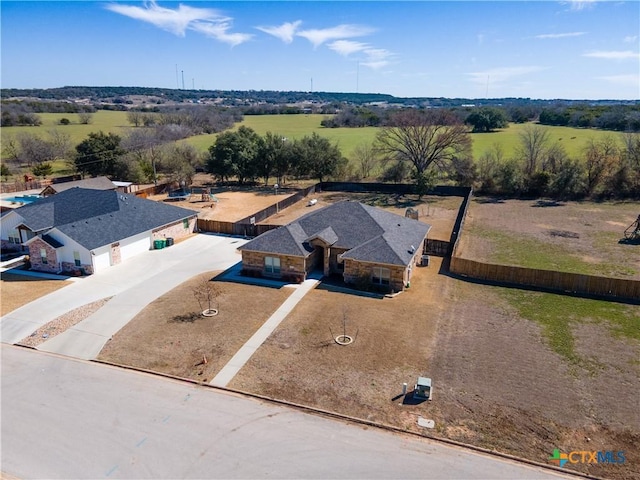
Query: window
{"x": 76, "y": 259}
{"x": 43, "y": 256}
{"x": 185, "y": 223}
{"x": 272, "y": 265}
{"x": 381, "y": 275}
{"x": 14, "y": 236}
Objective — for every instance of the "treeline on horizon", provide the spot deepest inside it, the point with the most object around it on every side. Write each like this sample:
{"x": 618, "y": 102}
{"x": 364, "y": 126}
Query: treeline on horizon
{"x": 101, "y": 93}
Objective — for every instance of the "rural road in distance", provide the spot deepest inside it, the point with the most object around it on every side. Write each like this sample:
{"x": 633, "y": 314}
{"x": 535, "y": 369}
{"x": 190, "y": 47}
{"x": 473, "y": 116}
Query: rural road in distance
{"x": 66, "y": 418}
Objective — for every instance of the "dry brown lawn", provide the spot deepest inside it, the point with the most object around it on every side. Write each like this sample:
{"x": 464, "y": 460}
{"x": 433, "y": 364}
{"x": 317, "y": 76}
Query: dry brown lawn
{"x": 439, "y": 212}
{"x": 579, "y": 237}
{"x": 163, "y": 338}
{"x": 497, "y": 383}
{"x": 18, "y": 290}
{"x": 232, "y": 204}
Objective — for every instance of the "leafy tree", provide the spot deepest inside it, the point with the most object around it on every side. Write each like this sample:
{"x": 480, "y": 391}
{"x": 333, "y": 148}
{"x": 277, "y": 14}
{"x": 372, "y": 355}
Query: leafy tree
{"x": 234, "y": 153}
{"x": 42, "y": 169}
{"x": 568, "y": 181}
{"x": 100, "y": 154}
{"x": 268, "y": 150}
{"x": 424, "y": 139}
{"x": 64, "y": 121}
{"x": 4, "y": 171}
{"x": 487, "y": 119}
{"x": 318, "y": 157}
{"x": 180, "y": 162}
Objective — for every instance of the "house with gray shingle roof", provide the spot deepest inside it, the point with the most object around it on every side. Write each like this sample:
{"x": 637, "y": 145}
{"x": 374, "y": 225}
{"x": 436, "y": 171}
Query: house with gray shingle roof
{"x": 356, "y": 241}
{"x": 84, "y": 230}
{"x": 95, "y": 183}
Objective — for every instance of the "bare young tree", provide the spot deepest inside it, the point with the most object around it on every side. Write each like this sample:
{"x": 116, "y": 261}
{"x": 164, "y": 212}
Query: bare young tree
{"x": 206, "y": 293}
{"x": 534, "y": 142}
{"x": 85, "y": 117}
{"x": 366, "y": 158}
{"x": 599, "y": 156}
{"x": 135, "y": 118}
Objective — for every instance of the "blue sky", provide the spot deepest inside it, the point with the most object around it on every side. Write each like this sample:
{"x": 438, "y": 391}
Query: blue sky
{"x": 471, "y": 49}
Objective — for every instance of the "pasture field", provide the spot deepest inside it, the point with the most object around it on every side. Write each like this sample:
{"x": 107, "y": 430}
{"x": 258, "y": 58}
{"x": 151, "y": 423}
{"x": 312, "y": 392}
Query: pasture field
{"x": 105, "y": 120}
{"x": 577, "y": 237}
{"x": 297, "y": 126}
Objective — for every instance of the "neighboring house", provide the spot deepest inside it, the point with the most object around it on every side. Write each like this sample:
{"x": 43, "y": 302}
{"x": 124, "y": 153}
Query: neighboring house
{"x": 361, "y": 243}
{"x": 97, "y": 183}
{"x": 85, "y": 231}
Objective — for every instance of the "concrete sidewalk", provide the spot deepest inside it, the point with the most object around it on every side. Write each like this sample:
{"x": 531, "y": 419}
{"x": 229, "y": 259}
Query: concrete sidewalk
{"x": 243, "y": 355}
{"x": 133, "y": 284}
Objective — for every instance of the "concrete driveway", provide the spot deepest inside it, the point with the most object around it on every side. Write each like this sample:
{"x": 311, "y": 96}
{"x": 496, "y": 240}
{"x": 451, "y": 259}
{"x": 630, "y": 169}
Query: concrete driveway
{"x": 133, "y": 285}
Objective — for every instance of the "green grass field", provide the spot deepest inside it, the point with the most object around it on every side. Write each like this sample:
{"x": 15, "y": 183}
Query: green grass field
{"x": 105, "y": 120}
{"x": 297, "y": 126}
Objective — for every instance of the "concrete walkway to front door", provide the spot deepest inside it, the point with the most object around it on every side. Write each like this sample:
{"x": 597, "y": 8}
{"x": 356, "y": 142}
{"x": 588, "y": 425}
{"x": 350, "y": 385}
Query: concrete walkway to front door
{"x": 243, "y": 355}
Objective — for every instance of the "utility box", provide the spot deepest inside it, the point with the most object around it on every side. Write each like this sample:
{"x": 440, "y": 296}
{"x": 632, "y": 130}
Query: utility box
{"x": 423, "y": 389}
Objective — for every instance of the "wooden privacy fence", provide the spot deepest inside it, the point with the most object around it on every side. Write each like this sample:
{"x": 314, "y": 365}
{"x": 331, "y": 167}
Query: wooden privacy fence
{"x": 438, "y": 248}
{"x": 562, "y": 281}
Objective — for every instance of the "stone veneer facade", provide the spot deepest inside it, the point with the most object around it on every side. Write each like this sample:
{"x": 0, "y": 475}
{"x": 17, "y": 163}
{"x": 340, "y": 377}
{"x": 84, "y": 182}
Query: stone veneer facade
{"x": 175, "y": 230}
{"x": 52, "y": 265}
{"x": 354, "y": 271}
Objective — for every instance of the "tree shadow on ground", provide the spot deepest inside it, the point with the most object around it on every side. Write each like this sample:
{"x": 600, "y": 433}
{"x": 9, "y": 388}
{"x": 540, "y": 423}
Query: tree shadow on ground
{"x": 485, "y": 200}
{"x": 547, "y": 203}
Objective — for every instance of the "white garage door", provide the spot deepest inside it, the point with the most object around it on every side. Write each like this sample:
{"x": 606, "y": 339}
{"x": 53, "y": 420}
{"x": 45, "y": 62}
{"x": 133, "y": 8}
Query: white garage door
{"x": 101, "y": 261}
{"x": 132, "y": 246}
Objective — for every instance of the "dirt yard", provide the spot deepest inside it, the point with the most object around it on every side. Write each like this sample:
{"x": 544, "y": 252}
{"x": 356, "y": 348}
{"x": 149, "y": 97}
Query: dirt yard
{"x": 497, "y": 383}
{"x": 170, "y": 335}
{"x": 18, "y": 290}
{"x": 228, "y": 204}
{"x": 439, "y": 212}
{"x": 578, "y": 237}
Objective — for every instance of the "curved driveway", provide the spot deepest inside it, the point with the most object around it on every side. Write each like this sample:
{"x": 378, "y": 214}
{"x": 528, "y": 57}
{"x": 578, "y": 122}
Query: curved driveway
{"x": 133, "y": 285}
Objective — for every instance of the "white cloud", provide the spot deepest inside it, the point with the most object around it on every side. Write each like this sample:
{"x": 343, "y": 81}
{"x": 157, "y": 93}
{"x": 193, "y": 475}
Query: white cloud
{"x": 613, "y": 55}
{"x": 559, "y": 35}
{"x": 376, "y": 58}
{"x": 577, "y": 5}
{"x": 177, "y": 21}
{"x": 219, "y": 31}
{"x": 347, "y": 47}
{"x": 319, "y": 36}
{"x": 499, "y": 75}
{"x": 631, "y": 80}
{"x": 630, "y": 39}
{"x": 284, "y": 32}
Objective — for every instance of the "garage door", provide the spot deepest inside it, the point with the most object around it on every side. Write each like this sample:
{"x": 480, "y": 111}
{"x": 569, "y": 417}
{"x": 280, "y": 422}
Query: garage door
{"x": 135, "y": 245}
{"x": 101, "y": 260}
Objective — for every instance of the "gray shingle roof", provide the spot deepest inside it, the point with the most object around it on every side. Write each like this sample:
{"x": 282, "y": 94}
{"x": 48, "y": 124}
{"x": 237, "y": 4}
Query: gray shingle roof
{"x": 94, "y": 218}
{"x": 369, "y": 234}
{"x": 96, "y": 183}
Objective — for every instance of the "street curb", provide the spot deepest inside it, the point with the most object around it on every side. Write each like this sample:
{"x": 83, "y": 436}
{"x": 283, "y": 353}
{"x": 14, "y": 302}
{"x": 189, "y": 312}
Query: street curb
{"x": 356, "y": 420}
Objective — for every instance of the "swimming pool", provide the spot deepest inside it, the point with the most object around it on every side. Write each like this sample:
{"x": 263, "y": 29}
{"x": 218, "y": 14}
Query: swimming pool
{"x": 22, "y": 199}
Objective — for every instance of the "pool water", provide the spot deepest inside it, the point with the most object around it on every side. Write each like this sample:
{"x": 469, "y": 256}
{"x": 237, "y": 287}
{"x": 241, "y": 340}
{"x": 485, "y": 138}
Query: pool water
{"x": 22, "y": 199}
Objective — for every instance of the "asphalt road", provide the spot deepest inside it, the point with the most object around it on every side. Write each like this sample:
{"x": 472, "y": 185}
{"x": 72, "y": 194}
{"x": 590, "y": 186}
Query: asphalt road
{"x": 72, "y": 419}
